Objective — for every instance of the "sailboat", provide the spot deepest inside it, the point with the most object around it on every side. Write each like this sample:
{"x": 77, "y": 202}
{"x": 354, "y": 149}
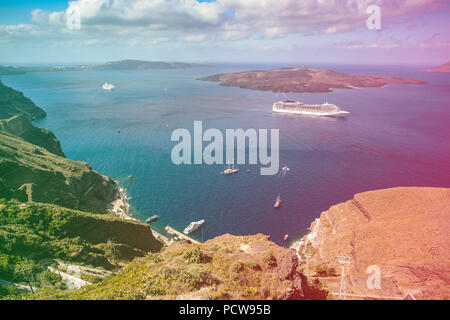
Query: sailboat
{"x": 230, "y": 170}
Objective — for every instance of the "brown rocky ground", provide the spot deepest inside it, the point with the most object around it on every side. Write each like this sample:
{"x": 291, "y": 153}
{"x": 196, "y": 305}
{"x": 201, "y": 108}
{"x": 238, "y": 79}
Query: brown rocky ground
{"x": 226, "y": 267}
{"x": 303, "y": 80}
{"x": 404, "y": 231}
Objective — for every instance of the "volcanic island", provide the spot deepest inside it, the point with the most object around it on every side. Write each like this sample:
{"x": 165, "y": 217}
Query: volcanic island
{"x": 303, "y": 80}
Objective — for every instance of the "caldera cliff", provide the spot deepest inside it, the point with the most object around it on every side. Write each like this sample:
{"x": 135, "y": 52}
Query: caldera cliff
{"x": 40, "y": 235}
{"x": 402, "y": 232}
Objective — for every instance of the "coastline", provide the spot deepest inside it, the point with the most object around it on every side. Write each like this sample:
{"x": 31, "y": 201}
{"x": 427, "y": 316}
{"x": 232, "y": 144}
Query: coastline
{"x": 296, "y": 245}
{"x": 120, "y": 207}
{"x": 25, "y": 112}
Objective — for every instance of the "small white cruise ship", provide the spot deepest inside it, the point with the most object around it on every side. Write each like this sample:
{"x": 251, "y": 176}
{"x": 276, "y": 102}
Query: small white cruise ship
{"x": 294, "y": 107}
{"x": 108, "y": 86}
{"x": 193, "y": 226}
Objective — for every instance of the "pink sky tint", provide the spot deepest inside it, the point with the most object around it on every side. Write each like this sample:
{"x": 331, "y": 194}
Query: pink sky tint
{"x": 412, "y": 31}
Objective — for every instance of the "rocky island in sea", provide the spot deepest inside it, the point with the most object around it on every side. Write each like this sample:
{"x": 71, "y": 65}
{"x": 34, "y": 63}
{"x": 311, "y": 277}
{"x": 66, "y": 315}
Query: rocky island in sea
{"x": 128, "y": 64}
{"x": 303, "y": 80}
{"x": 442, "y": 68}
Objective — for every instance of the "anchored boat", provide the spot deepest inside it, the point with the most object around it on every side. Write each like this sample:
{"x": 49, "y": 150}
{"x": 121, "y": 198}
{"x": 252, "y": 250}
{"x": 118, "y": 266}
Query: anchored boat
{"x": 108, "y": 86}
{"x": 152, "y": 218}
{"x": 231, "y": 169}
{"x": 193, "y": 226}
{"x": 277, "y": 203}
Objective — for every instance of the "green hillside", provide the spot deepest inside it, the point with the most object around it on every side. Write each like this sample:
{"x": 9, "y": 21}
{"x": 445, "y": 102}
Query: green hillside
{"x": 33, "y": 165}
{"x": 33, "y": 233}
{"x": 40, "y": 233}
{"x": 21, "y": 127}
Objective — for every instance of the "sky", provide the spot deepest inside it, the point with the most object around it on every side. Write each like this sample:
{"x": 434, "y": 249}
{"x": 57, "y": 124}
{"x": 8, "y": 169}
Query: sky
{"x": 260, "y": 31}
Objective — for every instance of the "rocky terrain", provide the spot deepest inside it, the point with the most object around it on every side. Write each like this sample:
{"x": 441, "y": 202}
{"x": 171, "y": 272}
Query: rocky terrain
{"x": 303, "y": 80}
{"x": 442, "y": 68}
{"x": 403, "y": 231}
{"x": 44, "y": 231}
{"x": 36, "y": 238}
{"x": 227, "y": 267}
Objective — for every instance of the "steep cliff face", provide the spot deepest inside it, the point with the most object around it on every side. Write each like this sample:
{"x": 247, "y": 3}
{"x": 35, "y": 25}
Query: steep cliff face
{"x": 21, "y": 127}
{"x": 401, "y": 232}
{"x": 28, "y": 171}
{"x": 13, "y": 102}
{"x": 33, "y": 169}
{"x": 33, "y": 165}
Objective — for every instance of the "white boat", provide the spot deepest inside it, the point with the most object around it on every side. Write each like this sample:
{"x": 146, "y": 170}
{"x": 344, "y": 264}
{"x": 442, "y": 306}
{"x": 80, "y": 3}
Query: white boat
{"x": 193, "y": 226}
{"x": 230, "y": 170}
{"x": 108, "y": 86}
{"x": 277, "y": 202}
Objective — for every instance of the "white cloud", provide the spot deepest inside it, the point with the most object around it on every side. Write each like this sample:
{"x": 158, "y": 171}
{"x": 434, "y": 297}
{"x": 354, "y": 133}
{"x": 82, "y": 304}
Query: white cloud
{"x": 234, "y": 31}
{"x": 193, "y": 38}
{"x": 18, "y": 31}
{"x": 170, "y": 14}
{"x": 225, "y": 20}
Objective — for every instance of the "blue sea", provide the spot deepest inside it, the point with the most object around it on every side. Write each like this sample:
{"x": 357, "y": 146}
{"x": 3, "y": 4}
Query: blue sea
{"x": 397, "y": 135}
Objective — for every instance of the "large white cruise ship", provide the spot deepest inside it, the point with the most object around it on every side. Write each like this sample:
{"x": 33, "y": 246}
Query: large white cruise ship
{"x": 325, "y": 109}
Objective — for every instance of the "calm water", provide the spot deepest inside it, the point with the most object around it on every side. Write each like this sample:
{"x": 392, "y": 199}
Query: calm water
{"x": 395, "y": 136}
